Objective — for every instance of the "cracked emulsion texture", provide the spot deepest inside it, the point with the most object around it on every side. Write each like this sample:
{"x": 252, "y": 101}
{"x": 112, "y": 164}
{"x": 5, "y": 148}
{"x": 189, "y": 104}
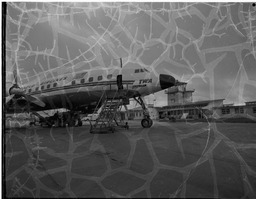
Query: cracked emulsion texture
{"x": 209, "y": 45}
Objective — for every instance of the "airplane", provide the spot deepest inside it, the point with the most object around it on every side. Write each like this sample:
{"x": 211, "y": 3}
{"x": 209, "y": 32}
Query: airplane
{"x": 77, "y": 90}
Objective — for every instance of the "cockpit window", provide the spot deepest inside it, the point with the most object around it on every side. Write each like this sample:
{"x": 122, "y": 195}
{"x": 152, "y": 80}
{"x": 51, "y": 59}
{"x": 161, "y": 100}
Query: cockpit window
{"x": 99, "y": 78}
{"x": 141, "y": 70}
{"x": 91, "y": 79}
{"x": 145, "y": 70}
{"x": 109, "y": 76}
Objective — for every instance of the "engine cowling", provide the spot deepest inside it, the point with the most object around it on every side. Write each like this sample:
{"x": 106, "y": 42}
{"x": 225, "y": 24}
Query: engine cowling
{"x": 12, "y": 87}
{"x": 16, "y": 90}
{"x": 8, "y": 87}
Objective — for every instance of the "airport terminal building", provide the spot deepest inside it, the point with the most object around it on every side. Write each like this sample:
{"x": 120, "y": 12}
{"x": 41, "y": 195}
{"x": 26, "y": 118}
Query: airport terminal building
{"x": 191, "y": 110}
{"x": 229, "y": 110}
{"x": 137, "y": 113}
{"x": 181, "y": 106}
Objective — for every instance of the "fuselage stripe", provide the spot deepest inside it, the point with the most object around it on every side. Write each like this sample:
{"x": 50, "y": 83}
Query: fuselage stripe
{"x": 79, "y": 86}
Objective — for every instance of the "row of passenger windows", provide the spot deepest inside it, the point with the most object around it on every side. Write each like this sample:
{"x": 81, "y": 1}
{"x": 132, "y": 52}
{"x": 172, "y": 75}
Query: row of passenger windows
{"x": 82, "y": 81}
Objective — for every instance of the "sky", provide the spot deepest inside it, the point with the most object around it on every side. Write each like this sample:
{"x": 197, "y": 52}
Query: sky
{"x": 211, "y": 46}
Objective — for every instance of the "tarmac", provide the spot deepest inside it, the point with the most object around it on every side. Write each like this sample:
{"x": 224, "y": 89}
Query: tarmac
{"x": 168, "y": 160}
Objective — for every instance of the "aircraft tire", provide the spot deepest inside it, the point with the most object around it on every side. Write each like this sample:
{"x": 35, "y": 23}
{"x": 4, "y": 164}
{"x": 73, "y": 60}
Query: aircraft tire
{"x": 146, "y": 123}
{"x": 150, "y": 123}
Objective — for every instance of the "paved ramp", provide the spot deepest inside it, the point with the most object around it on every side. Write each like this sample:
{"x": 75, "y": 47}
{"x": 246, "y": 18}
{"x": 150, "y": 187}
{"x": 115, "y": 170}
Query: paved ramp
{"x": 167, "y": 160}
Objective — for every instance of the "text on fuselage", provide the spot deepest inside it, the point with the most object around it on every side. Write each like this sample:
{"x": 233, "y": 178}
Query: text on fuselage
{"x": 145, "y": 81}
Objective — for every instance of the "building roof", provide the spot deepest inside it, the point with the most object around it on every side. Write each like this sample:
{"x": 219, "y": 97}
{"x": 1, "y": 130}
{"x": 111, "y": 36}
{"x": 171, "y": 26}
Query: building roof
{"x": 139, "y": 108}
{"x": 177, "y": 91}
{"x": 198, "y": 103}
{"x": 250, "y": 103}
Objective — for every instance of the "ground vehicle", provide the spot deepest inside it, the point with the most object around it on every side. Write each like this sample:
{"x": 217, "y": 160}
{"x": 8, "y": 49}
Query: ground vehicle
{"x": 91, "y": 117}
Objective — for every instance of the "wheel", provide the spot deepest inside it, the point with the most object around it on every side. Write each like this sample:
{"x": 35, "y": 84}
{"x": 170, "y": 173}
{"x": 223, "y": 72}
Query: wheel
{"x": 146, "y": 123}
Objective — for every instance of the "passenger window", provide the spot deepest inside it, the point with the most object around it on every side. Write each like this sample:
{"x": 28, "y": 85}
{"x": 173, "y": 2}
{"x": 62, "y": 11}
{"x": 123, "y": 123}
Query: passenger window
{"x": 82, "y": 81}
{"x": 100, "y": 78}
{"x": 109, "y": 76}
{"x": 37, "y": 88}
{"x": 137, "y": 70}
{"x": 48, "y": 86}
{"x": 55, "y": 84}
{"x": 91, "y": 79}
{"x": 73, "y": 82}
{"x": 42, "y": 87}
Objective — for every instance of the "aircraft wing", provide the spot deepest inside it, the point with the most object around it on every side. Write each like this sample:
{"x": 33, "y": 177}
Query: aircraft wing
{"x": 22, "y": 104}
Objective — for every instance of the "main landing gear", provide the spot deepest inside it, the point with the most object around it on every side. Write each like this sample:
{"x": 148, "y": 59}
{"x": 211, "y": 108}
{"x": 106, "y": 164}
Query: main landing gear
{"x": 146, "y": 122}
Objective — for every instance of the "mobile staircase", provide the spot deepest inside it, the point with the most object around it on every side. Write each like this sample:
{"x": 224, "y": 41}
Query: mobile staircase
{"x": 110, "y": 114}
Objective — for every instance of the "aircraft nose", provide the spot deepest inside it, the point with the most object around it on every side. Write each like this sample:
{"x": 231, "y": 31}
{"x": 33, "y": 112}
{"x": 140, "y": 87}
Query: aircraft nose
{"x": 166, "y": 81}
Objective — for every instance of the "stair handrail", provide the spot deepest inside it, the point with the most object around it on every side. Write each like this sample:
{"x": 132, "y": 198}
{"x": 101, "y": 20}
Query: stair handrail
{"x": 94, "y": 112}
{"x": 116, "y": 107}
{"x": 99, "y": 102}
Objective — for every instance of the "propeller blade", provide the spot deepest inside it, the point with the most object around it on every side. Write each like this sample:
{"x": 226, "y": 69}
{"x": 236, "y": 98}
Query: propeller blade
{"x": 15, "y": 73}
{"x": 34, "y": 100}
{"x": 8, "y": 98}
{"x": 121, "y": 63}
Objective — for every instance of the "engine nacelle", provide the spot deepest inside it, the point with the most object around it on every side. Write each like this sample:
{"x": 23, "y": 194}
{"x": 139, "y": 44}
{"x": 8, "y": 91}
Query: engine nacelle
{"x": 16, "y": 90}
{"x": 9, "y": 83}
{"x": 8, "y": 87}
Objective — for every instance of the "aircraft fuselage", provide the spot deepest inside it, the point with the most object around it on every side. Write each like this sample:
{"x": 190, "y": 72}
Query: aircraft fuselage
{"x": 83, "y": 88}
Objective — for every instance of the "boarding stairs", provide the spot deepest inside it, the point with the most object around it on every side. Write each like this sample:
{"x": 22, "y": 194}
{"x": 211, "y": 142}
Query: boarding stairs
{"x": 109, "y": 115}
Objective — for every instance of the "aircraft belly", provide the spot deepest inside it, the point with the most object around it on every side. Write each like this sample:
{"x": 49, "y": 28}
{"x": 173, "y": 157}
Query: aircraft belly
{"x": 82, "y": 96}
{"x": 71, "y": 100}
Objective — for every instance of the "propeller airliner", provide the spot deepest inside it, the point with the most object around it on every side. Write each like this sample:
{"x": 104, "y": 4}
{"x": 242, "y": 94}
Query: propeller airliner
{"x": 74, "y": 91}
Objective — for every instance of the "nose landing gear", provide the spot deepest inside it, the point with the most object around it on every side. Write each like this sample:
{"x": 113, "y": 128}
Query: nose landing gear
{"x": 146, "y": 122}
